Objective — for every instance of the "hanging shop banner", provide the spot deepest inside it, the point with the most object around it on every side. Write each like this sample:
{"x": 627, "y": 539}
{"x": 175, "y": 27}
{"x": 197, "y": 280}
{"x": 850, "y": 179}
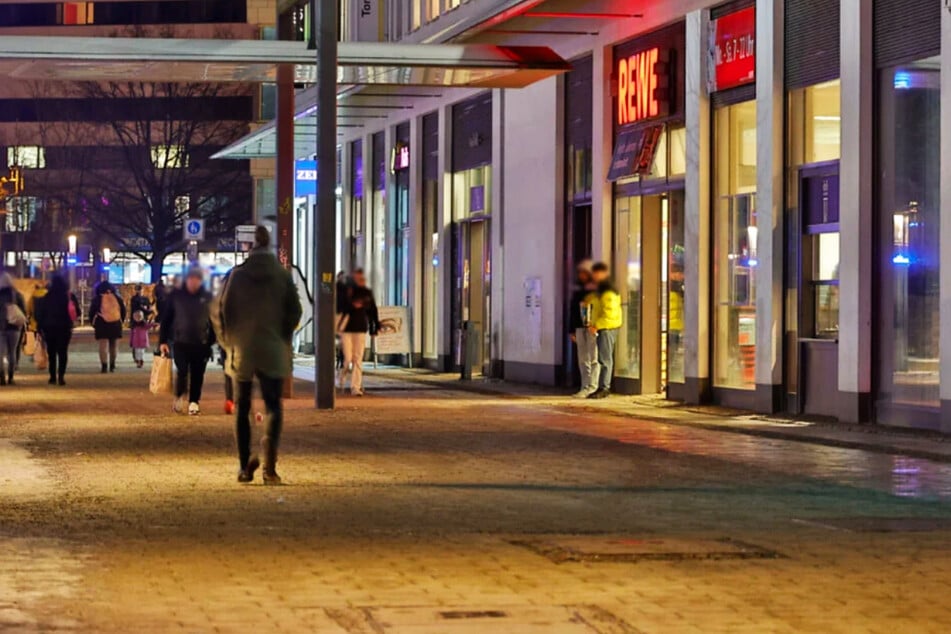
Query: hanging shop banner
{"x": 634, "y": 151}
{"x": 368, "y": 20}
{"x": 393, "y": 336}
{"x": 732, "y": 50}
{"x": 305, "y": 178}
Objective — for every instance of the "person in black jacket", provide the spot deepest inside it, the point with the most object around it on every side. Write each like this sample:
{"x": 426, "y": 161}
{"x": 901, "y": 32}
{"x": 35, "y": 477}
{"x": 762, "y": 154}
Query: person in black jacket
{"x": 360, "y": 317}
{"x": 579, "y": 319}
{"x": 186, "y": 331}
{"x": 55, "y": 320}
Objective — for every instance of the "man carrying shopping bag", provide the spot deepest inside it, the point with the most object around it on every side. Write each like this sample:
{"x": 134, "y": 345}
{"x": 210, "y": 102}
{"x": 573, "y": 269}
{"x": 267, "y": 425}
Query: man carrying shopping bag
{"x": 160, "y": 383}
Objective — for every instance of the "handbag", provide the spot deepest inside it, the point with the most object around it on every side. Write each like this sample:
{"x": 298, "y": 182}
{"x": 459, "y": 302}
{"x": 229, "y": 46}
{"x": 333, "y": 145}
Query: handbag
{"x": 40, "y": 357}
{"x": 160, "y": 383}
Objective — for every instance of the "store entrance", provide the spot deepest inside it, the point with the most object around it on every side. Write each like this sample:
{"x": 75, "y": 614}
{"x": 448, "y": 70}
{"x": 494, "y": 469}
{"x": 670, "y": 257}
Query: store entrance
{"x": 473, "y": 271}
{"x": 578, "y": 249}
{"x": 650, "y": 279}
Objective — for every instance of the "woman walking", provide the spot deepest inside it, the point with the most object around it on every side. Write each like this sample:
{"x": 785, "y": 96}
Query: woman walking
{"x": 56, "y": 317}
{"x": 12, "y": 322}
{"x": 106, "y": 316}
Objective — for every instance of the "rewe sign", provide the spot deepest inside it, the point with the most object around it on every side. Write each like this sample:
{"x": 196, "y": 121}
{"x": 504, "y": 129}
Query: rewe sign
{"x": 642, "y": 86}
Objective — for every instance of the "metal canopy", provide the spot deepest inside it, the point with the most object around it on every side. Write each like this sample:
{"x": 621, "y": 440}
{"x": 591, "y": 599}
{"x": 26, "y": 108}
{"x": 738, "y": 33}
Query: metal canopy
{"x": 355, "y": 109}
{"x": 193, "y": 60}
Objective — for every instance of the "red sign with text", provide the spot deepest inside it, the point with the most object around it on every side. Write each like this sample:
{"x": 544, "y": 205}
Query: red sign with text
{"x": 642, "y": 86}
{"x": 733, "y": 49}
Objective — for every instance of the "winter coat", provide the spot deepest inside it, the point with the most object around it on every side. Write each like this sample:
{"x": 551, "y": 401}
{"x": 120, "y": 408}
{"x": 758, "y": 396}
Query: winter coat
{"x": 187, "y": 319}
{"x": 105, "y": 329}
{"x": 360, "y": 311}
{"x": 52, "y": 315}
{"x": 575, "y": 306}
{"x": 255, "y": 319}
{"x": 139, "y": 335}
{"x": 606, "y": 308}
{"x": 10, "y": 295}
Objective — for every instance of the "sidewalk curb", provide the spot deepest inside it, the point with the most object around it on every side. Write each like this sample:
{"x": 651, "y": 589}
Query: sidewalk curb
{"x": 771, "y": 434}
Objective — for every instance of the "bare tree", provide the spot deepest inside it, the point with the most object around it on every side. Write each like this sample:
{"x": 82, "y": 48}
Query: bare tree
{"x": 153, "y": 170}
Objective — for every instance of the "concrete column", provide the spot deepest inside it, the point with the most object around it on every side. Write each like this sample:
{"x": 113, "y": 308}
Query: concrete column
{"x": 496, "y": 293}
{"x": 856, "y": 183}
{"x": 367, "y": 210}
{"x": 697, "y": 214}
{"x": 388, "y": 274}
{"x": 770, "y": 205}
{"x": 416, "y": 237}
{"x": 284, "y": 178}
{"x": 945, "y": 284}
{"x": 602, "y": 132}
{"x": 444, "y": 291}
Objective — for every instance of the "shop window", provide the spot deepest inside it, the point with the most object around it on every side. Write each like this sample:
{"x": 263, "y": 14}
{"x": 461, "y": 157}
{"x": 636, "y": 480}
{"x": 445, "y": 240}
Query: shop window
{"x": 627, "y": 232}
{"x": 814, "y": 124}
{"x": 910, "y": 218}
{"x": 677, "y": 144}
{"x": 26, "y": 156}
{"x": 825, "y": 285}
{"x": 735, "y": 235}
{"x": 470, "y": 192}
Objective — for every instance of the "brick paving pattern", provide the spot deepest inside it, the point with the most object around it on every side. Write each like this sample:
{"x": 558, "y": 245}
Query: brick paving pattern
{"x": 428, "y": 510}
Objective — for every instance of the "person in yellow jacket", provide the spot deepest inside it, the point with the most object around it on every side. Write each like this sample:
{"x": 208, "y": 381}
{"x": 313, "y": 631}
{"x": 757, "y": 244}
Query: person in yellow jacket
{"x": 607, "y": 319}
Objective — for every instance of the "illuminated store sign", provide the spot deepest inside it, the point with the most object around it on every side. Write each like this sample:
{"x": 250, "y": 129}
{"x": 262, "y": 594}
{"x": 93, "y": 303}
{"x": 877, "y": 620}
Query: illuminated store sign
{"x": 733, "y": 50}
{"x": 642, "y": 86}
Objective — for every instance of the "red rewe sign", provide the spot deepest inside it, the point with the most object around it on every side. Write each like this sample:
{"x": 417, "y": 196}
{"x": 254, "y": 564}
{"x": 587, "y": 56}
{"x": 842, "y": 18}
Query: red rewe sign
{"x": 642, "y": 86}
{"x": 733, "y": 48}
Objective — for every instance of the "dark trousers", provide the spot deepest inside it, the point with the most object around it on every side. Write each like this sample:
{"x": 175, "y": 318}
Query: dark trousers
{"x": 190, "y": 363}
{"x": 271, "y": 391}
{"x": 9, "y": 344}
{"x": 57, "y": 349}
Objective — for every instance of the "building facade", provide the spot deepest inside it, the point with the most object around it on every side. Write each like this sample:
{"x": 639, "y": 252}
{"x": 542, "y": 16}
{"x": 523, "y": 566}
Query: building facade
{"x": 763, "y": 176}
{"x": 78, "y": 145}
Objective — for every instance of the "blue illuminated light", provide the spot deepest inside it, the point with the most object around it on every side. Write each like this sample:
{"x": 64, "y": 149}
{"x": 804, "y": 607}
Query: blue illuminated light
{"x": 902, "y": 80}
{"x": 72, "y": 260}
{"x": 753, "y": 262}
{"x": 901, "y": 259}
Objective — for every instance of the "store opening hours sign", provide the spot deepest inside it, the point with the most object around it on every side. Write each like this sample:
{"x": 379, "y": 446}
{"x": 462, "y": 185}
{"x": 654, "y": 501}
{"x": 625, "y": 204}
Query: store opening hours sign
{"x": 732, "y": 50}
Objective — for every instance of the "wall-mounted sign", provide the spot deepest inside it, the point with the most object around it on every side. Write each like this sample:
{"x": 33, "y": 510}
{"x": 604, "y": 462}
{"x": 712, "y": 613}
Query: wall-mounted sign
{"x": 368, "y": 15}
{"x": 732, "y": 50}
{"x": 642, "y": 86}
{"x": 400, "y": 157}
{"x": 305, "y": 178}
{"x": 476, "y": 199}
{"x": 634, "y": 151}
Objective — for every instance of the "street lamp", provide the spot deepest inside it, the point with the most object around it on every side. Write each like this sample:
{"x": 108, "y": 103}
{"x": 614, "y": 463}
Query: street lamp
{"x": 72, "y": 240}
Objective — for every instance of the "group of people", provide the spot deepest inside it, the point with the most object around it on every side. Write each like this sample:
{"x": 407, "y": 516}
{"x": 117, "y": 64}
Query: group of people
{"x": 357, "y": 316}
{"x": 253, "y": 321}
{"x": 595, "y": 320}
{"x": 49, "y": 316}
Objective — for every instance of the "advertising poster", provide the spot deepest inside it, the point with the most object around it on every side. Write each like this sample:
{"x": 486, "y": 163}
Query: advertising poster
{"x": 393, "y": 337}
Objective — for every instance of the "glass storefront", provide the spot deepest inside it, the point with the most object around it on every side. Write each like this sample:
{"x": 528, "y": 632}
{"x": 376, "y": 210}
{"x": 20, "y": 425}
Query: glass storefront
{"x": 735, "y": 238}
{"x": 649, "y": 273}
{"x": 909, "y": 221}
{"x": 357, "y": 239}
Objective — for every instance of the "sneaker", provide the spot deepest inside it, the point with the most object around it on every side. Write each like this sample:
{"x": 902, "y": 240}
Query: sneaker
{"x": 271, "y": 478}
{"x": 229, "y": 407}
{"x": 601, "y": 393}
{"x": 354, "y": 392}
{"x": 194, "y": 409}
{"x": 178, "y": 405}
{"x": 246, "y": 475}
{"x": 584, "y": 393}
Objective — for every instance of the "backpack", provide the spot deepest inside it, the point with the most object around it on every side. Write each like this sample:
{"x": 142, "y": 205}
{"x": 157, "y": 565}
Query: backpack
{"x": 109, "y": 308}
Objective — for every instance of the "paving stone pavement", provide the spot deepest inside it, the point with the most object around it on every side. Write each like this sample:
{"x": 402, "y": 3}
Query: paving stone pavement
{"x": 428, "y": 510}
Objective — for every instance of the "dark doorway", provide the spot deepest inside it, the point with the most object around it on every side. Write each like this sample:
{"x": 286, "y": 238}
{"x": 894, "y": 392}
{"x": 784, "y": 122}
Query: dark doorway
{"x": 577, "y": 249}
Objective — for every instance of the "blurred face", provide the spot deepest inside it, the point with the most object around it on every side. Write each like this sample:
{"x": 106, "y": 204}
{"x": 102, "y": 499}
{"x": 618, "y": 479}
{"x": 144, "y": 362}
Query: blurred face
{"x": 599, "y": 276}
{"x": 193, "y": 284}
{"x": 359, "y": 279}
{"x": 584, "y": 276}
